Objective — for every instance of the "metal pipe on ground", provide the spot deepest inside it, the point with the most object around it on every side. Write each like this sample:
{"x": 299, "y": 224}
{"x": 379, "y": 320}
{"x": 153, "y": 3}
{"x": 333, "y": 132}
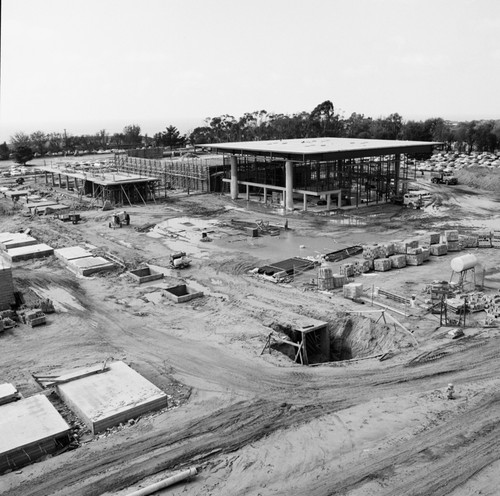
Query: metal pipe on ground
{"x": 169, "y": 481}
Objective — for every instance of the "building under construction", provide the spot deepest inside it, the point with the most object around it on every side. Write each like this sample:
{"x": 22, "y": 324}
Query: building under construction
{"x": 349, "y": 171}
{"x": 338, "y": 172}
{"x": 103, "y": 185}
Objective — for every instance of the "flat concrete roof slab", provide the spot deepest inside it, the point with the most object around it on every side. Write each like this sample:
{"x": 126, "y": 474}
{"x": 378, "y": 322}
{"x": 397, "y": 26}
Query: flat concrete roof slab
{"x": 109, "y": 398}
{"x": 27, "y": 252}
{"x": 304, "y": 147}
{"x": 90, "y": 265}
{"x": 29, "y": 421}
{"x": 72, "y": 253}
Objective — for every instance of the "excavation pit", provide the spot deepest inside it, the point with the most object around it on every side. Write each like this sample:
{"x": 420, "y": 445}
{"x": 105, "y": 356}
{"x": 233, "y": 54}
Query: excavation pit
{"x": 182, "y": 293}
{"x": 146, "y": 274}
{"x": 345, "y": 338}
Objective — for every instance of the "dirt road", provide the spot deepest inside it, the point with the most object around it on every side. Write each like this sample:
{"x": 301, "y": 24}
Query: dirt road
{"x": 260, "y": 424}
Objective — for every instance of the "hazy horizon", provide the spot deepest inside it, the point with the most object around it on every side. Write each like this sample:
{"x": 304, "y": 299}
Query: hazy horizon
{"x": 90, "y": 65}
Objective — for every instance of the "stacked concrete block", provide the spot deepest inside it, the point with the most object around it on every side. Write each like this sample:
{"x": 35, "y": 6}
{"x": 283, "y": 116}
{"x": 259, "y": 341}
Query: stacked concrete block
{"x": 398, "y": 261}
{"x": 454, "y": 246}
{"x": 339, "y": 280}
{"x": 371, "y": 252}
{"x": 468, "y": 241}
{"x": 388, "y": 249}
{"x": 347, "y": 270}
{"x": 415, "y": 259}
{"x": 414, "y": 250}
{"x": 6, "y": 286}
{"x": 363, "y": 266}
{"x": 426, "y": 252}
{"x": 400, "y": 247}
{"x": 353, "y": 290}
{"x": 382, "y": 264}
{"x": 325, "y": 278}
{"x": 434, "y": 238}
{"x": 439, "y": 249}
{"x": 451, "y": 235}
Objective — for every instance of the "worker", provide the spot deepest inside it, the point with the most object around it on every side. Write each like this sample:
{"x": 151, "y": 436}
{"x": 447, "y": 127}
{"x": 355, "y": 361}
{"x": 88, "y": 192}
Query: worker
{"x": 450, "y": 392}
{"x": 127, "y": 219}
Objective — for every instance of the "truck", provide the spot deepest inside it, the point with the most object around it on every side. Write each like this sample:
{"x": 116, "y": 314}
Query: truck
{"x": 443, "y": 178}
{"x": 413, "y": 199}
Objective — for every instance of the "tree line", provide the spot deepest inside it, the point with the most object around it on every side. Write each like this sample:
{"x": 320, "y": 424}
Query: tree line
{"x": 322, "y": 121}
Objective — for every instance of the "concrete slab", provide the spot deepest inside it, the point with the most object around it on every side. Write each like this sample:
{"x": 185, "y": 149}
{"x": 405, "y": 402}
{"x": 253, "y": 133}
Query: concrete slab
{"x": 17, "y": 241}
{"x": 7, "y": 236}
{"x": 8, "y": 393}
{"x": 89, "y": 265}
{"x": 28, "y": 252}
{"x": 72, "y": 253}
{"x": 115, "y": 396}
{"x": 29, "y": 429}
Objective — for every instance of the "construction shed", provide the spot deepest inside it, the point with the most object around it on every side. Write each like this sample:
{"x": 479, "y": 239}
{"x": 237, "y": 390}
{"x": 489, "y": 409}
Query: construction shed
{"x": 346, "y": 171}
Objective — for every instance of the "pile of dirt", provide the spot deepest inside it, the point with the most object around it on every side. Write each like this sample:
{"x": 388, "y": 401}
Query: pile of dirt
{"x": 354, "y": 336}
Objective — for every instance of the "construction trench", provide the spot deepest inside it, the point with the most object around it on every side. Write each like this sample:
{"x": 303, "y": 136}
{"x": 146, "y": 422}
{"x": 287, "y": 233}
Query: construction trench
{"x": 308, "y": 335}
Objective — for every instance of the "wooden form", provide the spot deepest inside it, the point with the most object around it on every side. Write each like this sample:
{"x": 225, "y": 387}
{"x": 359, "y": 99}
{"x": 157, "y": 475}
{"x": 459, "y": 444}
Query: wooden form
{"x": 189, "y": 174}
{"x": 315, "y": 334}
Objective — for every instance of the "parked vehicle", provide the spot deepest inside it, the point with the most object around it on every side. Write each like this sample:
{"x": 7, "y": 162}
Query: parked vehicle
{"x": 443, "y": 178}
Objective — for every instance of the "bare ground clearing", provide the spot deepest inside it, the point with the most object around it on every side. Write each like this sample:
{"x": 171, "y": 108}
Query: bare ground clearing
{"x": 260, "y": 424}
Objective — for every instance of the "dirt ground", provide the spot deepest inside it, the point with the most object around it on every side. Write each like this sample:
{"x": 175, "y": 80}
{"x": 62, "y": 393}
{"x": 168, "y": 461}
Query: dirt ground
{"x": 252, "y": 423}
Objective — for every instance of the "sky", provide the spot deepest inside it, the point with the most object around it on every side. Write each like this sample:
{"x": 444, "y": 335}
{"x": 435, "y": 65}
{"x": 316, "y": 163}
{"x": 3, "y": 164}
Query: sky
{"x": 87, "y": 65}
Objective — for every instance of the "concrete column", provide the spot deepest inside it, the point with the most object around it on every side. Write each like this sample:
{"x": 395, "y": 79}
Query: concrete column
{"x": 234, "y": 177}
{"x": 265, "y": 196}
{"x": 397, "y": 164}
{"x": 248, "y": 192}
{"x": 328, "y": 201}
{"x": 339, "y": 199}
{"x": 305, "y": 203}
{"x": 289, "y": 184}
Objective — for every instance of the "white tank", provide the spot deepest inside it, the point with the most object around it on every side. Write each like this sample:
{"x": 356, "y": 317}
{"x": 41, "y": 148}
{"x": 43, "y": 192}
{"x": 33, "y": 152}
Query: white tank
{"x": 465, "y": 262}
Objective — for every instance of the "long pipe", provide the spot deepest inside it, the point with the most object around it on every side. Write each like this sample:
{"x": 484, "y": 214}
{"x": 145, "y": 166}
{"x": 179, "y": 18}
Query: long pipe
{"x": 169, "y": 481}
